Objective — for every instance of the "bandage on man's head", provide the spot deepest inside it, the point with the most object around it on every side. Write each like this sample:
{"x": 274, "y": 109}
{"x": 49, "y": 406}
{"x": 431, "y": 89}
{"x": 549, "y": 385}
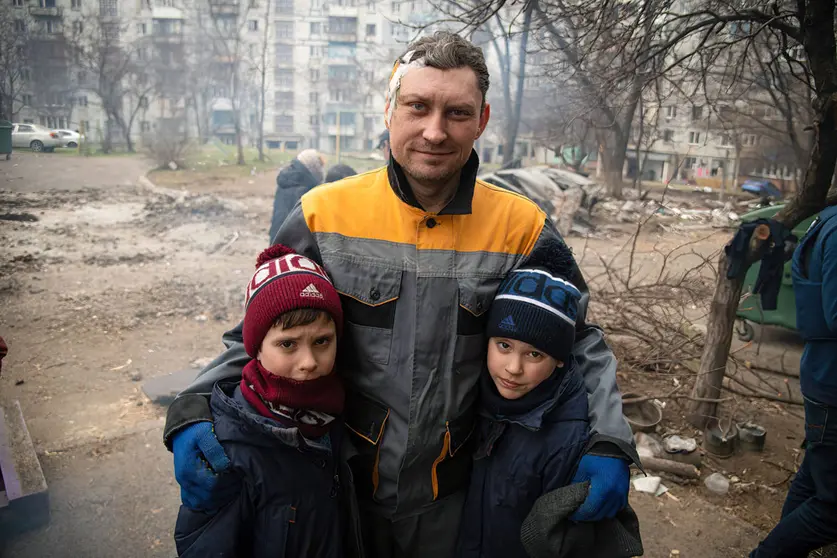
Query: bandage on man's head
{"x": 443, "y": 50}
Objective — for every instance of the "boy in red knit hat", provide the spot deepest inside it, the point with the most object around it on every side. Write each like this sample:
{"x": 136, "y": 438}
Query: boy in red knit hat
{"x": 279, "y": 426}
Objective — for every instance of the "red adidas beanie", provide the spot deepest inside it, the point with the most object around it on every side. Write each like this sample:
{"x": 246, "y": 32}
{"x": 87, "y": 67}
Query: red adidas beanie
{"x": 285, "y": 281}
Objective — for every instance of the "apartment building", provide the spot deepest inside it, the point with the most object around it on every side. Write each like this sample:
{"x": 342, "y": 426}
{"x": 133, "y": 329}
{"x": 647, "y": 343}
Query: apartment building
{"x": 325, "y": 65}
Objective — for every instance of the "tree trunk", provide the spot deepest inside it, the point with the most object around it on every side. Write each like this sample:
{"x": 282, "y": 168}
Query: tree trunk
{"x": 615, "y": 162}
{"x": 515, "y": 104}
{"x": 713, "y": 362}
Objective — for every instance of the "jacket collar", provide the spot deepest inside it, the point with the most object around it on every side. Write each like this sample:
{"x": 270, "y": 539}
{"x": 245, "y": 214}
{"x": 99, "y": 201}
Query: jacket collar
{"x": 559, "y": 407}
{"x": 461, "y": 202}
{"x": 237, "y": 421}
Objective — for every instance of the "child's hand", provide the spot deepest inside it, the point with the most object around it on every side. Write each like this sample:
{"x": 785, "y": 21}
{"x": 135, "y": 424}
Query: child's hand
{"x": 202, "y": 469}
{"x": 609, "y": 479}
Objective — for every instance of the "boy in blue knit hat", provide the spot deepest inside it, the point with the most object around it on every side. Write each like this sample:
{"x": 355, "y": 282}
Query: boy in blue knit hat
{"x": 534, "y": 429}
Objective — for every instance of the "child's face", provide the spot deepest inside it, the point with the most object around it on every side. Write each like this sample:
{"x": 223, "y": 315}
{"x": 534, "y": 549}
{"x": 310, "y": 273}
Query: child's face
{"x": 301, "y": 353}
{"x": 517, "y": 367}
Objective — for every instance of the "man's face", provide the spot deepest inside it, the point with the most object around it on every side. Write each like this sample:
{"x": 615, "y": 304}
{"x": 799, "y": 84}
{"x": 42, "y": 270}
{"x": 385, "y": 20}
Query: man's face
{"x": 301, "y": 353}
{"x": 436, "y": 121}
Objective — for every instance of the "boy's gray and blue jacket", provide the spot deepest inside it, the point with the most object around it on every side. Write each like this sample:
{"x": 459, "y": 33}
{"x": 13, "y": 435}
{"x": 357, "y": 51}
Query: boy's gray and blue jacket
{"x": 416, "y": 288}
{"x": 296, "y": 498}
{"x": 519, "y": 458}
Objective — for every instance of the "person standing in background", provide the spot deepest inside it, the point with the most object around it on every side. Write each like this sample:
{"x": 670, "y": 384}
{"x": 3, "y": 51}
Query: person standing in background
{"x": 303, "y": 173}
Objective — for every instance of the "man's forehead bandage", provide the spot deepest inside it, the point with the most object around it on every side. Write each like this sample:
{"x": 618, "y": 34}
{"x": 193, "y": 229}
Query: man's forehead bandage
{"x": 402, "y": 66}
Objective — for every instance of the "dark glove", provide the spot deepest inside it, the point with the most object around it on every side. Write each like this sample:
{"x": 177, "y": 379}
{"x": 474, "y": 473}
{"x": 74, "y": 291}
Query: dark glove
{"x": 609, "y": 479}
{"x": 202, "y": 469}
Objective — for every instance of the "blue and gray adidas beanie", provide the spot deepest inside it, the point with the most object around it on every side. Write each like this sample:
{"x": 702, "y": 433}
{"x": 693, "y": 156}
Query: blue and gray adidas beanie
{"x": 537, "y": 304}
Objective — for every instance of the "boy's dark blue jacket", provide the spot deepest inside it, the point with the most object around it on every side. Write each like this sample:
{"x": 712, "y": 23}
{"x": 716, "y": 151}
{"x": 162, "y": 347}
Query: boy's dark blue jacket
{"x": 525, "y": 448}
{"x": 815, "y": 289}
{"x": 296, "y": 498}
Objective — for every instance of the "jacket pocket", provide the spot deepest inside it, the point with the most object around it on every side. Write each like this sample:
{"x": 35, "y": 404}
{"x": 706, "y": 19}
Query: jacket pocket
{"x": 452, "y": 468}
{"x": 369, "y": 296}
{"x": 366, "y": 419}
{"x": 475, "y": 297}
{"x": 816, "y": 422}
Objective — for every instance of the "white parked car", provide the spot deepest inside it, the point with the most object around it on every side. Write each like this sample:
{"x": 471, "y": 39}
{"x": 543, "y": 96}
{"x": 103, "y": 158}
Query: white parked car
{"x": 70, "y": 138}
{"x": 36, "y": 138}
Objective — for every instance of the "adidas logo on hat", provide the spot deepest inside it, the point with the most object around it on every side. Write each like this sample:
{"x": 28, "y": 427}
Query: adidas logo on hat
{"x": 311, "y": 292}
{"x": 508, "y": 324}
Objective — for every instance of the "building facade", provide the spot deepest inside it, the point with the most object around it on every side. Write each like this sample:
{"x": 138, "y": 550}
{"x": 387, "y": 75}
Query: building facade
{"x": 320, "y": 66}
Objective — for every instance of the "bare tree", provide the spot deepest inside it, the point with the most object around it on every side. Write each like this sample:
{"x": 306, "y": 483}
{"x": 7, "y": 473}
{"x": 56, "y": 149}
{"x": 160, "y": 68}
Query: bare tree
{"x": 260, "y": 66}
{"x": 225, "y": 25}
{"x": 714, "y": 28}
{"x": 99, "y": 49}
{"x": 15, "y": 52}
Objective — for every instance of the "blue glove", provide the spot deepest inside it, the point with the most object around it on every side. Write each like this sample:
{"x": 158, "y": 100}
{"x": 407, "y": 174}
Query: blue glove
{"x": 203, "y": 469}
{"x": 610, "y": 481}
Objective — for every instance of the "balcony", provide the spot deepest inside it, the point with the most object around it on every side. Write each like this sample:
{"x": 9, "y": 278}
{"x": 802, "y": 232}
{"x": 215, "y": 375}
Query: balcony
{"x": 167, "y": 39}
{"x": 224, "y": 7}
{"x": 342, "y": 36}
{"x": 341, "y": 11}
{"x": 347, "y": 130}
{"x": 39, "y": 11}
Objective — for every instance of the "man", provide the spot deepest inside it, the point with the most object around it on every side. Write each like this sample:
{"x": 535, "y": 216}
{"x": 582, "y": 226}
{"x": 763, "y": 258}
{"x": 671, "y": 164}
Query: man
{"x": 383, "y": 144}
{"x": 302, "y": 174}
{"x": 417, "y": 250}
{"x": 809, "y": 516}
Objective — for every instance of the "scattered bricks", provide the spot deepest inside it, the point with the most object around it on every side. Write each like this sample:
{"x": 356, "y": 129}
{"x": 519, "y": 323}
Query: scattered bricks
{"x": 24, "y": 503}
{"x": 163, "y": 389}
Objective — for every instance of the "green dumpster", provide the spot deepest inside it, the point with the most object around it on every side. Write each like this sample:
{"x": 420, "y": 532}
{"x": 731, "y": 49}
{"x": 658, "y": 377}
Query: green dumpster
{"x": 749, "y": 309}
{"x": 6, "y": 138}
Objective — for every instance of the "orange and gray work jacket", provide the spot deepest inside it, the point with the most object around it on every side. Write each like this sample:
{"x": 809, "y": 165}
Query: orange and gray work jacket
{"x": 416, "y": 288}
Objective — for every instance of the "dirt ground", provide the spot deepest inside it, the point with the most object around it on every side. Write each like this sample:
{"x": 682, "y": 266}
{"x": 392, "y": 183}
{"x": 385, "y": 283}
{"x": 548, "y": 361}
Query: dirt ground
{"x": 107, "y": 280}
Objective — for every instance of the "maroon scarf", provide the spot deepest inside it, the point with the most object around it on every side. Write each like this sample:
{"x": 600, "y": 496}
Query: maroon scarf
{"x": 310, "y": 406}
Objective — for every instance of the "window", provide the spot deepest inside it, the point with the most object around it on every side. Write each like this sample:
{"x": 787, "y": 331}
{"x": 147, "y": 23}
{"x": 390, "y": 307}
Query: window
{"x": 85, "y": 125}
{"x": 314, "y": 120}
{"x": 285, "y": 6}
{"x": 26, "y": 99}
{"x": 108, "y": 8}
{"x": 314, "y": 74}
{"x": 253, "y": 25}
{"x": 166, "y": 3}
{"x": 81, "y": 76}
{"x": 315, "y": 51}
{"x": 52, "y": 26}
{"x": 62, "y": 122}
{"x": 313, "y": 97}
{"x": 284, "y": 53}
{"x": 689, "y": 163}
{"x": 284, "y": 29}
{"x": 143, "y": 102}
{"x": 82, "y": 101}
{"x": 694, "y": 138}
{"x": 284, "y": 100}
{"x": 18, "y": 3}
{"x": 78, "y": 27}
{"x": 285, "y": 78}
{"x": 749, "y": 140}
{"x": 668, "y": 135}
{"x": 20, "y": 25}
{"x": 24, "y": 74}
{"x": 46, "y": 3}
{"x": 342, "y": 25}
{"x": 142, "y": 28}
{"x": 316, "y": 28}
{"x": 697, "y": 112}
{"x": 284, "y": 124}
{"x": 396, "y": 7}
{"x": 726, "y": 140}
{"x": 145, "y": 126}
{"x": 671, "y": 112}
{"x": 142, "y": 55}
{"x": 371, "y": 29}
{"x": 23, "y": 128}
{"x": 75, "y": 4}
